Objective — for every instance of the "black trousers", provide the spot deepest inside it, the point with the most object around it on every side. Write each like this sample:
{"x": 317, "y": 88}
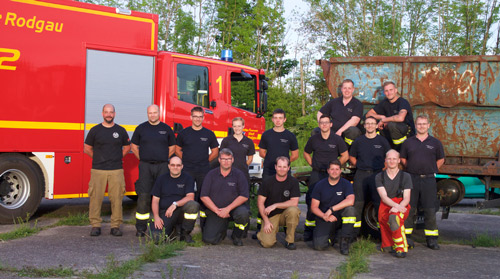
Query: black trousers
{"x": 185, "y": 216}
{"x": 324, "y": 232}
{"x": 148, "y": 173}
{"x": 424, "y": 196}
{"x": 310, "y": 217}
{"x": 216, "y": 227}
{"x": 364, "y": 190}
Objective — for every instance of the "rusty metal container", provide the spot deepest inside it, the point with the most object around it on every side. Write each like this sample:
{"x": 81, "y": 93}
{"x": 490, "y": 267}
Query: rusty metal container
{"x": 461, "y": 96}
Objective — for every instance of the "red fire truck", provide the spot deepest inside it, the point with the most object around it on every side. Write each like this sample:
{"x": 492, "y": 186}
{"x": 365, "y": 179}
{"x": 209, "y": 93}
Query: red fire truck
{"x": 61, "y": 61}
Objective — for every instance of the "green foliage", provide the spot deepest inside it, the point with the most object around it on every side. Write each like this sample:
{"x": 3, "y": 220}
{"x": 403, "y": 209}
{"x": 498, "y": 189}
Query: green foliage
{"x": 59, "y": 271}
{"x": 357, "y": 261}
{"x": 78, "y": 219}
{"x": 22, "y": 229}
{"x": 485, "y": 240}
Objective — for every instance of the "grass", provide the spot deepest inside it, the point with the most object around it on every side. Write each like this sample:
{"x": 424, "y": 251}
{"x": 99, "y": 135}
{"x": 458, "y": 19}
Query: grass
{"x": 22, "y": 229}
{"x": 77, "y": 219}
{"x": 485, "y": 240}
{"x": 46, "y": 272}
{"x": 357, "y": 261}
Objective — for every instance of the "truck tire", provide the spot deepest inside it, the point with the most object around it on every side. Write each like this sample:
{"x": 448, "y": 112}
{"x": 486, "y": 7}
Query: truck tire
{"x": 369, "y": 226}
{"x": 21, "y": 187}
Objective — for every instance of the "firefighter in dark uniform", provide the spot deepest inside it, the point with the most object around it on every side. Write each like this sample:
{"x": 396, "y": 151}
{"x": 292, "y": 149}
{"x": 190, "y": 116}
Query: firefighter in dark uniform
{"x": 394, "y": 187}
{"x": 153, "y": 143}
{"x": 395, "y": 116}
{"x": 173, "y": 202}
{"x": 197, "y": 146}
{"x": 423, "y": 155}
{"x": 345, "y": 111}
{"x": 332, "y": 203}
{"x": 367, "y": 155}
{"x": 224, "y": 193}
{"x": 325, "y": 146}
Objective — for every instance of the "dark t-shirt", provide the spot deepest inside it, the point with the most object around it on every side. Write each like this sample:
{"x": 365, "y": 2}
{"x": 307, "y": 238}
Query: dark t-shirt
{"x": 392, "y": 185}
{"x": 107, "y": 145}
{"x": 241, "y": 149}
{"x": 369, "y": 153}
{"x": 323, "y": 150}
{"x": 276, "y": 192}
{"x": 195, "y": 148}
{"x": 329, "y": 195}
{"x": 277, "y": 144}
{"x": 153, "y": 141}
{"x": 170, "y": 189}
{"x": 339, "y": 113}
{"x": 389, "y": 109}
{"x": 421, "y": 156}
{"x": 224, "y": 190}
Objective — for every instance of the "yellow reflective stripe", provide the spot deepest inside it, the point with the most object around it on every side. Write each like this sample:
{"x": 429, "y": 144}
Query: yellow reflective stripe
{"x": 203, "y": 214}
{"x": 408, "y": 230}
{"x": 397, "y": 239}
{"x": 190, "y": 216}
{"x": 400, "y": 246}
{"x": 348, "y": 220}
{"x": 259, "y": 220}
{"x": 140, "y": 216}
{"x": 431, "y": 232}
{"x": 357, "y": 224}
{"x": 240, "y": 226}
{"x": 41, "y": 125}
{"x": 399, "y": 141}
{"x": 378, "y": 225}
{"x": 310, "y": 223}
{"x": 348, "y": 141}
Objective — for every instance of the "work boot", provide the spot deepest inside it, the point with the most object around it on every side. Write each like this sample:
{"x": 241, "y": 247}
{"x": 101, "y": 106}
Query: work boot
{"x": 410, "y": 242}
{"x": 400, "y": 254}
{"x": 236, "y": 241}
{"x": 115, "y": 232}
{"x": 95, "y": 231}
{"x": 308, "y": 236}
{"x": 290, "y": 246}
{"x": 432, "y": 243}
{"x": 393, "y": 222}
{"x": 186, "y": 237}
{"x": 344, "y": 246}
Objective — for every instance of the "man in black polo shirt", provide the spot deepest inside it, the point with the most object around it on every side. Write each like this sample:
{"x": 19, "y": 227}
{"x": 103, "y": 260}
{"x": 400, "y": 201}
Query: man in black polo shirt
{"x": 106, "y": 143}
{"x": 395, "y": 115}
{"x": 345, "y": 112}
{"x": 173, "y": 202}
{"x": 276, "y": 142}
{"x": 367, "y": 155}
{"x": 224, "y": 193}
{"x": 193, "y": 145}
{"x": 325, "y": 146}
{"x": 153, "y": 143}
{"x": 333, "y": 199}
{"x": 423, "y": 155}
{"x": 278, "y": 200}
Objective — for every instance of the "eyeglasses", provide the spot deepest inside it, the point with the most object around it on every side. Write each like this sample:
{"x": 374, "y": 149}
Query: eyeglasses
{"x": 324, "y": 123}
{"x": 226, "y": 159}
{"x": 175, "y": 165}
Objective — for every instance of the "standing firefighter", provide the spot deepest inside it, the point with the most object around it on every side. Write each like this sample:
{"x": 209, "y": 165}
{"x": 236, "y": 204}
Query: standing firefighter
{"x": 394, "y": 187}
{"x": 332, "y": 203}
{"x": 324, "y": 147}
{"x": 153, "y": 143}
{"x": 423, "y": 155}
{"x": 395, "y": 115}
{"x": 107, "y": 144}
{"x": 367, "y": 155}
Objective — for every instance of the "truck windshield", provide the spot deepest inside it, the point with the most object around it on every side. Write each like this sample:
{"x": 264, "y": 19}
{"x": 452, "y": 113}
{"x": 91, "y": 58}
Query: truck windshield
{"x": 243, "y": 92}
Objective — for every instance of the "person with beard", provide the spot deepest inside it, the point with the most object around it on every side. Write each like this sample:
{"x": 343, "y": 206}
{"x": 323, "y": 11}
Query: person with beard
{"x": 106, "y": 143}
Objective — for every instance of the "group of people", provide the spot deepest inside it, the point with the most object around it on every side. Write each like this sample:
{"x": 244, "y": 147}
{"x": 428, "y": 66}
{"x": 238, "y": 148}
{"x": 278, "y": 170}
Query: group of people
{"x": 176, "y": 173}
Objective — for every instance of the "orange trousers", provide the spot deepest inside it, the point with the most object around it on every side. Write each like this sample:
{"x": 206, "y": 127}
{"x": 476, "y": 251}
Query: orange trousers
{"x": 397, "y": 238}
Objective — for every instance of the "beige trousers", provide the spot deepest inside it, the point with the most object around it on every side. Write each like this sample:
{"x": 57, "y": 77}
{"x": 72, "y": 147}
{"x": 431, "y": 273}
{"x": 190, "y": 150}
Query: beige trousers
{"x": 288, "y": 218}
{"x": 115, "y": 181}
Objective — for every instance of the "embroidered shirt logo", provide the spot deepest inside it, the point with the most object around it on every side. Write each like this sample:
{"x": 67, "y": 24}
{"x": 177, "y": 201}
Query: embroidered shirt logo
{"x": 286, "y": 193}
{"x": 203, "y": 139}
{"x": 180, "y": 185}
{"x": 339, "y": 193}
{"x": 232, "y": 184}
{"x": 162, "y": 132}
{"x": 115, "y": 135}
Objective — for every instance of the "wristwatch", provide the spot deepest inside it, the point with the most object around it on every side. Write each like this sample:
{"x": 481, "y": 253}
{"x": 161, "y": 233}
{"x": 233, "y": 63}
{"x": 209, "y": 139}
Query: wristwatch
{"x": 175, "y": 203}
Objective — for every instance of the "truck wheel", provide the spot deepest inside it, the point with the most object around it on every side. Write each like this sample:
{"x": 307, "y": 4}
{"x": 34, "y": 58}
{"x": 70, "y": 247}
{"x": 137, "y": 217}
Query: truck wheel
{"x": 21, "y": 187}
{"x": 369, "y": 227}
